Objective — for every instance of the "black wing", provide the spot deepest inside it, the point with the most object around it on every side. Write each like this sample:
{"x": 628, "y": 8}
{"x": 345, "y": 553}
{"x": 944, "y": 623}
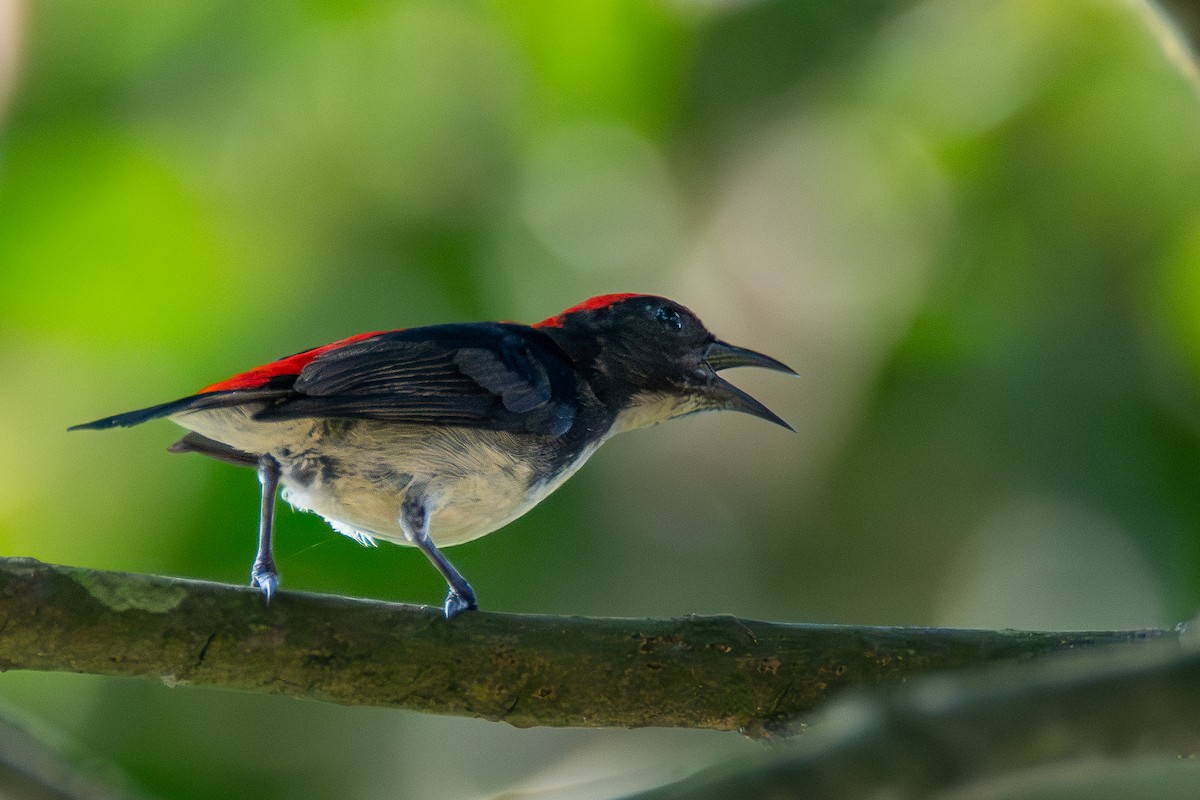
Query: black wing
{"x": 496, "y": 375}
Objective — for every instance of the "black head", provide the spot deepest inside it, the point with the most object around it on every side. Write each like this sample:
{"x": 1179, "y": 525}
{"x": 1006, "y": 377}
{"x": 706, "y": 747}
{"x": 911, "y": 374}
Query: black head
{"x": 652, "y": 359}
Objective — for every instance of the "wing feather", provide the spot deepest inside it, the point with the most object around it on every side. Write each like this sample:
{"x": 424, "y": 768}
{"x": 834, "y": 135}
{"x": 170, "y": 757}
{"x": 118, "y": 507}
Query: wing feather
{"x": 490, "y": 375}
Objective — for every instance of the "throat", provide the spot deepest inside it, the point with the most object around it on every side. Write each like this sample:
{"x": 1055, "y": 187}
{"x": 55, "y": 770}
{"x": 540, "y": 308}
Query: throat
{"x": 651, "y": 409}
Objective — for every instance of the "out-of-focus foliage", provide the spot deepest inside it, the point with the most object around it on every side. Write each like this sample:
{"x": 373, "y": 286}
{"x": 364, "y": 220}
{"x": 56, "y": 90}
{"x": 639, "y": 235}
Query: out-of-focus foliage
{"x": 974, "y": 228}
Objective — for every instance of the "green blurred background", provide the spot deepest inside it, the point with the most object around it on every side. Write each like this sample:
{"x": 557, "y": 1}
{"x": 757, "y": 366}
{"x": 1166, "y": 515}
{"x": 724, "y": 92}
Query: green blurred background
{"x": 973, "y": 228}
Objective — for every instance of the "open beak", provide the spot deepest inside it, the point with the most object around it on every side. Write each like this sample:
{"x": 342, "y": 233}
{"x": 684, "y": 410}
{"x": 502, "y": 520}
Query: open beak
{"x": 722, "y": 355}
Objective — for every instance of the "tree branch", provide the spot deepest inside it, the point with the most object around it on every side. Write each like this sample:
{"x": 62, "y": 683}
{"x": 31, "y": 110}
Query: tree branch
{"x": 703, "y": 672}
{"x": 948, "y": 732}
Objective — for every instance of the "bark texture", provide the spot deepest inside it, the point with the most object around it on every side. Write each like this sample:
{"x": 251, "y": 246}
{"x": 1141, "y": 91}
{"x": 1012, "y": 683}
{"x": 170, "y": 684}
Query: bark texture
{"x": 702, "y": 672}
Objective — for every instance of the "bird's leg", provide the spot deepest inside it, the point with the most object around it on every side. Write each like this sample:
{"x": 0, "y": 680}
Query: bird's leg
{"x": 263, "y": 574}
{"x": 414, "y": 521}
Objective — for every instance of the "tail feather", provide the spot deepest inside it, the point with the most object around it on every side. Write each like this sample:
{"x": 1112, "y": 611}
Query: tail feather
{"x": 135, "y": 417}
{"x": 197, "y": 402}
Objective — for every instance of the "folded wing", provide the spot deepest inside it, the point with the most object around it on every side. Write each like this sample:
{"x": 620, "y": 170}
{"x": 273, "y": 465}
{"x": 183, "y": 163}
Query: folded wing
{"x": 505, "y": 377}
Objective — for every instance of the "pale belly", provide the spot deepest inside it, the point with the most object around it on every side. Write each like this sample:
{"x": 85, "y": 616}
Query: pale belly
{"x": 357, "y": 473}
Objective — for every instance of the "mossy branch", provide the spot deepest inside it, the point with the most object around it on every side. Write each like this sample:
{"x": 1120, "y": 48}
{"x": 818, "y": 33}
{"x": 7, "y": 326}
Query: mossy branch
{"x": 701, "y": 672}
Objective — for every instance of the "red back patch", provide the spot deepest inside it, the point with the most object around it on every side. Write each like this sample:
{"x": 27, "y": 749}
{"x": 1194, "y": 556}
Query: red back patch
{"x": 292, "y": 365}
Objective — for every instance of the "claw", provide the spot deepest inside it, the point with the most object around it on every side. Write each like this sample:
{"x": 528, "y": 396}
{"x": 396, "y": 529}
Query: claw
{"x": 266, "y": 579}
{"x": 457, "y": 603}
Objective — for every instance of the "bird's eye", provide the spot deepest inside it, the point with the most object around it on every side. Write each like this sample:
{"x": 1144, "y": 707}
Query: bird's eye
{"x": 668, "y": 316}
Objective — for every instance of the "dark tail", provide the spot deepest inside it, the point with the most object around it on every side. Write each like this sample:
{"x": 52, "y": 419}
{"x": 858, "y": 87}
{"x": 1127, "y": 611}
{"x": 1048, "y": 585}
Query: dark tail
{"x": 197, "y": 402}
{"x": 136, "y": 417}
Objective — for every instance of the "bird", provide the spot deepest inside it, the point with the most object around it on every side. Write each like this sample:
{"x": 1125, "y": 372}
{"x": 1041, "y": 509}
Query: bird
{"x": 434, "y": 436}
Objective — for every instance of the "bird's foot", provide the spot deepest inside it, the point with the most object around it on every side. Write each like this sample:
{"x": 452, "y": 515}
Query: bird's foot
{"x": 459, "y": 601}
{"x": 265, "y": 578}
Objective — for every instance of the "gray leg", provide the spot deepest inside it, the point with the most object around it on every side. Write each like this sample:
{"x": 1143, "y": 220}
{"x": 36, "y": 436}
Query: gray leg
{"x": 263, "y": 574}
{"x": 414, "y": 521}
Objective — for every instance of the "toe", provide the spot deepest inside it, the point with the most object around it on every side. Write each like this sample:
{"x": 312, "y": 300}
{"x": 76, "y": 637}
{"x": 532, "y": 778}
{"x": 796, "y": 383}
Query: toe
{"x": 267, "y": 581}
{"x": 456, "y": 604}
